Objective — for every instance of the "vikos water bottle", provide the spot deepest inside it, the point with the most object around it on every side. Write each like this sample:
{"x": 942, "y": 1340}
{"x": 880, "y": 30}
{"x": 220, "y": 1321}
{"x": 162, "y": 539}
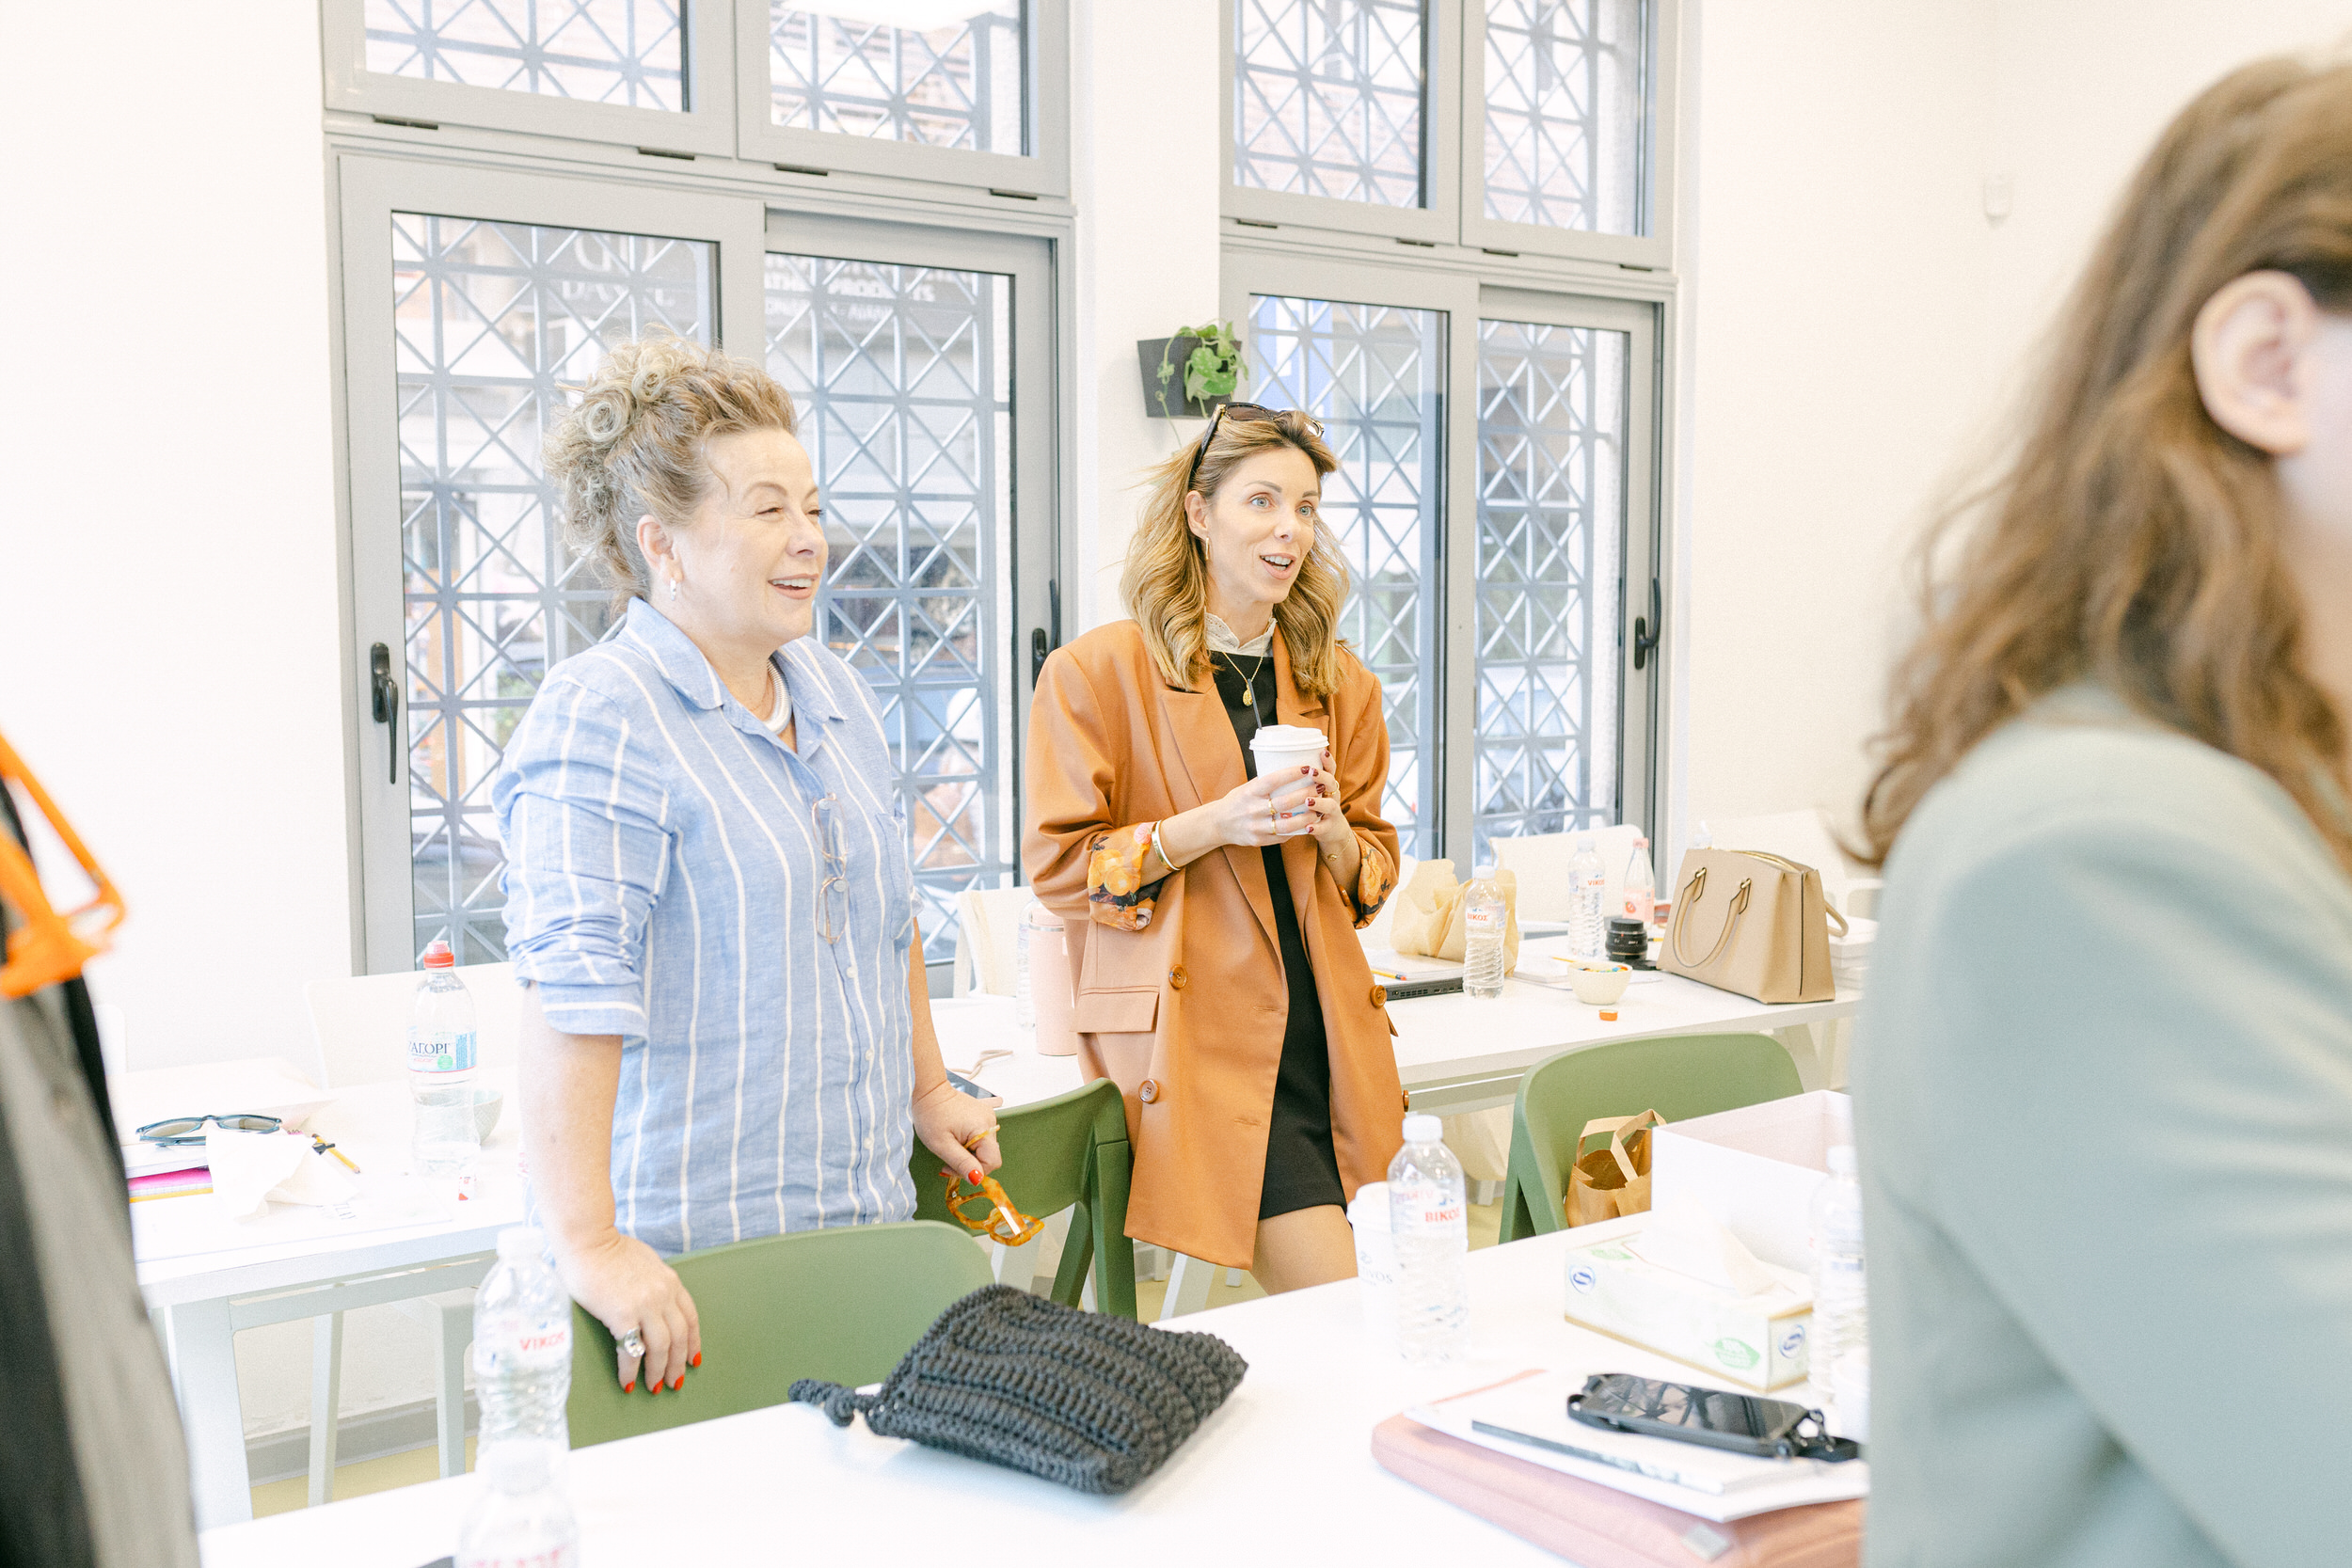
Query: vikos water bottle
{"x": 522, "y": 1519}
{"x": 522, "y": 1344}
{"x": 445, "y": 1145}
{"x": 1429, "y": 1226}
{"x": 1484, "y": 916}
{"x": 1841, "y": 1320}
{"x": 1588, "y": 893}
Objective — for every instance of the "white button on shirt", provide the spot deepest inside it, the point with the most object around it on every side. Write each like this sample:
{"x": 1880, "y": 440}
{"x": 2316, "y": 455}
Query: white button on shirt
{"x": 665, "y": 882}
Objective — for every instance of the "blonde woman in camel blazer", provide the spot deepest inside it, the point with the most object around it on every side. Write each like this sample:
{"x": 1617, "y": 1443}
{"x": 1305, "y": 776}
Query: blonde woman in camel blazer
{"x": 1219, "y": 981}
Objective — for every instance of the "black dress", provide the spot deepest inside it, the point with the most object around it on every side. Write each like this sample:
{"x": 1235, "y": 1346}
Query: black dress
{"x": 1301, "y": 1169}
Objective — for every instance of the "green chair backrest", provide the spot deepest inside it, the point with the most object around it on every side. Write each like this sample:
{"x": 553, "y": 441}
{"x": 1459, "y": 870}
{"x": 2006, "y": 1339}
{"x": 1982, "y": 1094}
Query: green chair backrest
{"x": 844, "y": 1305}
{"x": 1070, "y": 1149}
{"x": 1679, "y": 1076}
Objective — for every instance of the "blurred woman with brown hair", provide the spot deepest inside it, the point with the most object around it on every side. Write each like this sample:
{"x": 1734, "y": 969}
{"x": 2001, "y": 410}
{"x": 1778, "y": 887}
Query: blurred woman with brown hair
{"x": 2104, "y": 1082}
{"x": 1219, "y": 980}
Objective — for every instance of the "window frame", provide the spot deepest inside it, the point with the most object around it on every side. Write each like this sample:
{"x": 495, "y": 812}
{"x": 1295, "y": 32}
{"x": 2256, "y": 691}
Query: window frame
{"x": 1562, "y": 299}
{"x": 1654, "y": 249}
{"x": 1043, "y": 171}
{"x": 371, "y": 190}
{"x": 1035, "y": 554}
{"x": 704, "y": 127}
{"x": 1432, "y": 222}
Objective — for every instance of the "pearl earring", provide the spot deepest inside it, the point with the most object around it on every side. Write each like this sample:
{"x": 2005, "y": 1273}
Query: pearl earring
{"x": 674, "y": 588}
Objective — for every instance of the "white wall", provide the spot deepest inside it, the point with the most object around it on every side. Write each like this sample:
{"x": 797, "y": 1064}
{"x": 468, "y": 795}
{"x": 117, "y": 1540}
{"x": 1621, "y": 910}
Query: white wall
{"x": 168, "y": 612}
{"x": 1147, "y": 188}
{"x": 1834, "y": 252}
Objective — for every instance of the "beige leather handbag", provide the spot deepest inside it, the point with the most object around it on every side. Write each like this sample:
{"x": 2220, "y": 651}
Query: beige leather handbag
{"x": 1751, "y": 922}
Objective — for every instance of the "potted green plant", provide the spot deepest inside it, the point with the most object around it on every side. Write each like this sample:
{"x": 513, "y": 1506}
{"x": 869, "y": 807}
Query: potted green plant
{"x": 1192, "y": 373}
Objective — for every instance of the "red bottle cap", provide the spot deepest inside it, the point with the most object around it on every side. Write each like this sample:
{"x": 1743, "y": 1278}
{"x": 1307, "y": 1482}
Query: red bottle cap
{"x": 437, "y": 955}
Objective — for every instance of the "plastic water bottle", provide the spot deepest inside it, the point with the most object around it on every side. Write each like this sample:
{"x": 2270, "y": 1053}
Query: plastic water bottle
{"x": 1841, "y": 1320}
{"x": 1485, "y": 918}
{"x": 1641, "y": 885}
{"x": 522, "y": 1344}
{"x": 522, "y": 1519}
{"x": 1376, "y": 1264}
{"x": 1588, "y": 895}
{"x": 445, "y": 1145}
{"x": 1429, "y": 1228}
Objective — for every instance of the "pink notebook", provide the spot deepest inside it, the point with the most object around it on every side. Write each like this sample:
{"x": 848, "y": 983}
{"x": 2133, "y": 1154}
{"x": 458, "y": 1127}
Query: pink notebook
{"x": 1597, "y": 1527}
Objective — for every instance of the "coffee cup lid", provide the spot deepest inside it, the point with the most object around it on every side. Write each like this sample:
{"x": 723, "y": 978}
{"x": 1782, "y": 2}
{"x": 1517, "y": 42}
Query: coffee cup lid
{"x": 1286, "y": 737}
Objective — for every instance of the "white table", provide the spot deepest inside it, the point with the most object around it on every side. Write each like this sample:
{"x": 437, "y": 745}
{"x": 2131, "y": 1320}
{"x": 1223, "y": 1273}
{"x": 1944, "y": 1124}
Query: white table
{"x": 205, "y": 1276}
{"x": 1284, "y": 1471}
{"x": 1454, "y": 1053}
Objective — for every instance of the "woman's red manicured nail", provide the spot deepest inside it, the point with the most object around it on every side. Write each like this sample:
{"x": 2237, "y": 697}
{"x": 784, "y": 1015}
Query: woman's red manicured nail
{"x": 629, "y": 1387}
{"x": 697, "y": 1361}
{"x": 1305, "y": 771}
{"x": 677, "y": 1383}
{"x": 975, "y": 1178}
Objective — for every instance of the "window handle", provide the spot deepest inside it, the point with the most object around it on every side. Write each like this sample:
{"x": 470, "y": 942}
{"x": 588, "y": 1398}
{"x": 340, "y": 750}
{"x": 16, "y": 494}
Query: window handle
{"x": 1646, "y": 632}
{"x": 1042, "y": 641}
{"x": 385, "y": 692}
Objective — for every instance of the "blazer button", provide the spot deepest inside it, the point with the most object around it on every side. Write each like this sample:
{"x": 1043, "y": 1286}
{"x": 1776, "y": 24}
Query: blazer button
{"x": 1177, "y": 979}
{"x": 1379, "y": 996}
{"x": 1150, "y": 1092}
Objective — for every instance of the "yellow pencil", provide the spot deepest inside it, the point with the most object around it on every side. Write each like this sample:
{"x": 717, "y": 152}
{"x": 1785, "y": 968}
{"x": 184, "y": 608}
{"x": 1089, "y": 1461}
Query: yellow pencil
{"x": 324, "y": 1147}
{"x": 1388, "y": 975}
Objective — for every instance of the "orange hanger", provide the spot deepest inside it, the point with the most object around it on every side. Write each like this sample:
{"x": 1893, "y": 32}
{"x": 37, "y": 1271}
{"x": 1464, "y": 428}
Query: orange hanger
{"x": 49, "y": 946}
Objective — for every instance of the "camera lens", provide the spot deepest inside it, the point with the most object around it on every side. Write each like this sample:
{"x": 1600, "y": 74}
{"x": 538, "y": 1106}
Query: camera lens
{"x": 1628, "y": 940}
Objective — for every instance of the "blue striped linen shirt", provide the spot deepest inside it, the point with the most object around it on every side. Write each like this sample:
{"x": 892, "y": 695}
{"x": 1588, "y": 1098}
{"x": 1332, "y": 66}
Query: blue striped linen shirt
{"x": 663, "y": 879}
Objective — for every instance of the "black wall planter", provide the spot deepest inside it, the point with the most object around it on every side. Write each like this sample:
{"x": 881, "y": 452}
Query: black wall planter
{"x": 1166, "y": 400}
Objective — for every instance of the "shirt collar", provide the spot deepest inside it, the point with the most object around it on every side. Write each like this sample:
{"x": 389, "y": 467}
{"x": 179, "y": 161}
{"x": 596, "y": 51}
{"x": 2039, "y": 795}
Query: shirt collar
{"x": 1222, "y": 641}
{"x": 684, "y": 667}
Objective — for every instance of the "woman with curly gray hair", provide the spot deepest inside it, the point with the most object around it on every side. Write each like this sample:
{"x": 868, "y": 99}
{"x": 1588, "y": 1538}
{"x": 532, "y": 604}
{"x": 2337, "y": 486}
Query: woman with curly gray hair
{"x": 726, "y": 1031}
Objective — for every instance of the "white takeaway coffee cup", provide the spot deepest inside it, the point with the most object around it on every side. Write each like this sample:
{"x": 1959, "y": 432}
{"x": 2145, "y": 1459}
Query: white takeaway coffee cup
{"x": 1287, "y": 748}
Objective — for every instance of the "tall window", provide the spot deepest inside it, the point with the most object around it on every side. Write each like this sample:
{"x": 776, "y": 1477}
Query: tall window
{"x": 491, "y": 320}
{"x": 1373, "y": 376}
{"x": 904, "y": 376}
{"x": 1327, "y": 99}
{"x": 630, "y": 52}
{"x": 959, "y": 84}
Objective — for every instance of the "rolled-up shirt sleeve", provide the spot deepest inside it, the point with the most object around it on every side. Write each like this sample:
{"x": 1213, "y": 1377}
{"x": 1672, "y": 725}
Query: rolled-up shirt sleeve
{"x": 583, "y": 819}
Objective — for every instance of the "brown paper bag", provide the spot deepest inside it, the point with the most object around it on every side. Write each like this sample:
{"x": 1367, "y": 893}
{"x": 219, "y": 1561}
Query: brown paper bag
{"x": 1431, "y": 918}
{"x": 1610, "y": 1183}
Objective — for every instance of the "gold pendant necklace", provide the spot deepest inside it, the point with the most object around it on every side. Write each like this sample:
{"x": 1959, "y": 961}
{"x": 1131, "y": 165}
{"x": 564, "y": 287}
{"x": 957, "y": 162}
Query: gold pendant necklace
{"x": 1248, "y": 683}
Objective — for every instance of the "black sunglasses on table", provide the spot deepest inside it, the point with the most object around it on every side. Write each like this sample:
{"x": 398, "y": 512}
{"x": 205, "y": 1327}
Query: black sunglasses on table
{"x": 175, "y": 1130}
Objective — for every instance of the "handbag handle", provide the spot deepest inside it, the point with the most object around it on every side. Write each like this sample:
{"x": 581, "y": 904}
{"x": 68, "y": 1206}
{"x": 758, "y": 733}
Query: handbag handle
{"x": 1690, "y": 896}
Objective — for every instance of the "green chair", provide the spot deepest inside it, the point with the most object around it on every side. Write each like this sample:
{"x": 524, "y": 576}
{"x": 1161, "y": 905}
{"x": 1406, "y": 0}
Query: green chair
{"x": 842, "y": 1305}
{"x": 1069, "y": 1150}
{"x": 1679, "y": 1076}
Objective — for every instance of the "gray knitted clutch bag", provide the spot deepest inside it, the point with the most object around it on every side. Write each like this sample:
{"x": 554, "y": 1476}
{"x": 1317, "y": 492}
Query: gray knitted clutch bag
{"x": 1093, "y": 1402}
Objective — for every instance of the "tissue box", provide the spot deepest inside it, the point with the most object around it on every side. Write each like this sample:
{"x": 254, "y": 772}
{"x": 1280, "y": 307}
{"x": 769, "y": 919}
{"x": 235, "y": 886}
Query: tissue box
{"x": 1756, "y": 1341}
{"x": 1754, "y": 1169}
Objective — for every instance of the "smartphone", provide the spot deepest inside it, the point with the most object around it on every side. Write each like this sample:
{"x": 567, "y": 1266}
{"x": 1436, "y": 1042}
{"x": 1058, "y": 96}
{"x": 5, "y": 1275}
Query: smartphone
{"x": 1744, "y": 1423}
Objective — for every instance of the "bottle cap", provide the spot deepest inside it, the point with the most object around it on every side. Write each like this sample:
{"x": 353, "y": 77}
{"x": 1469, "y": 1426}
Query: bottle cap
{"x": 1640, "y": 843}
{"x": 1369, "y": 1208}
{"x": 1484, "y": 874}
{"x": 1424, "y": 1128}
{"x": 1841, "y": 1160}
{"x": 437, "y": 955}
{"x": 522, "y": 1241}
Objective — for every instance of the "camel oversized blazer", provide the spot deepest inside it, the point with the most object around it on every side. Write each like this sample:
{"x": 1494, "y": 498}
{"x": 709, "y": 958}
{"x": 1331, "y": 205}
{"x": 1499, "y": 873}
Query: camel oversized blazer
{"x": 1187, "y": 1014}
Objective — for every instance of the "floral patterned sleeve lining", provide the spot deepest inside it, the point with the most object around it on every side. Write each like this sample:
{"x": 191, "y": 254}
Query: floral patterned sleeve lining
{"x": 1117, "y": 894}
{"x": 1376, "y": 878}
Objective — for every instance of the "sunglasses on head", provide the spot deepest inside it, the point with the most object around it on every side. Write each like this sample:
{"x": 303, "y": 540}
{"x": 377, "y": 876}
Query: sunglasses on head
{"x": 1236, "y": 410}
{"x": 174, "y": 1131}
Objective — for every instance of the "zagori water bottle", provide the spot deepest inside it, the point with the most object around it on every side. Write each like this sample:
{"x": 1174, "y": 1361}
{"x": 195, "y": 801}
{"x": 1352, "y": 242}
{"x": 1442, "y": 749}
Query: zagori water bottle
{"x": 1588, "y": 895}
{"x": 1429, "y": 1228}
{"x": 522, "y": 1519}
{"x": 445, "y": 1145}
{"x": 1641, "y": 885}
{"x": 1376, "y": 1264}
{"x": 522, "y": 1344}
{"x": 1485, "y": 918}
{"x": 1840, "y": 1313}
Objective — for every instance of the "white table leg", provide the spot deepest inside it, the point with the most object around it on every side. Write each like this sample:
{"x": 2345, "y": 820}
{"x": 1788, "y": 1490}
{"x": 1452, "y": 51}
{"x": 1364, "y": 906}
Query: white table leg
{"x": 1188, "y": 1284}
{"x": 326, "y": 1390}
{"x": 204, "y": 1366}
{"x": 453, "y": 1337}
{"x": 1807, "y": 1048}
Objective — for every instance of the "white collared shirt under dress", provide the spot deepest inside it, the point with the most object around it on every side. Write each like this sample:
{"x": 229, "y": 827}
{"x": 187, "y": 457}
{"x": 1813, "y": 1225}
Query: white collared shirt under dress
{"x": 664, "y": 884}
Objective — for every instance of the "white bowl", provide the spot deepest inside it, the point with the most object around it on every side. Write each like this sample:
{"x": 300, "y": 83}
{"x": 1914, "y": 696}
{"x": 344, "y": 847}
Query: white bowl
{"x": 1602, "y": 984}
{"x": 486, "y": 1103}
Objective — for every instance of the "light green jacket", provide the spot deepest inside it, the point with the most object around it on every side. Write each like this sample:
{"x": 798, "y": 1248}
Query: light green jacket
{"x": 2103, "y": 1099}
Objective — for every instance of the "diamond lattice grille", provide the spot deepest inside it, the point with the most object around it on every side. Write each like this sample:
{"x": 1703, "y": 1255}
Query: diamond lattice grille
{"x": 956, "y": 85}
{"x": 630, "y": 52}
{"x": 903, "y": 379}
{"x": 1373, "y": 376}
{"x": 488, "y": 318}
{"x": 1551, "y": 406}
{"x": 1564, "y": 112}
{"x": 1327, "y": 98}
